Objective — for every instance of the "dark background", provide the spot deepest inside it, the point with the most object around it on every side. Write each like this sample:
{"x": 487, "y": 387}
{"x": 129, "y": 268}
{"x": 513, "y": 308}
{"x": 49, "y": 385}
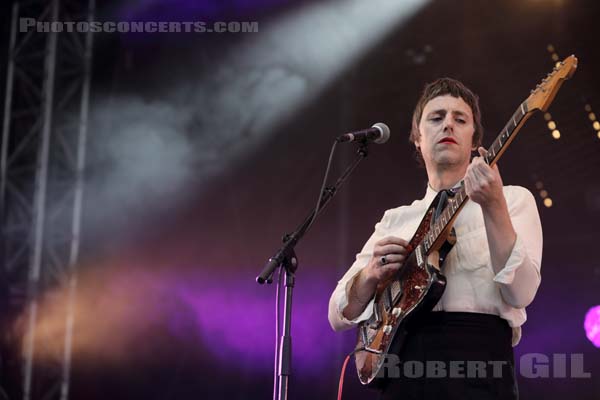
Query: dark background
{"x": 199, "y": 327}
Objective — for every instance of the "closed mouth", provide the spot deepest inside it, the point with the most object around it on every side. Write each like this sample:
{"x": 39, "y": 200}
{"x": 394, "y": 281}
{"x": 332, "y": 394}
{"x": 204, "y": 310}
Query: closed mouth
{"x": 448, "y": 140}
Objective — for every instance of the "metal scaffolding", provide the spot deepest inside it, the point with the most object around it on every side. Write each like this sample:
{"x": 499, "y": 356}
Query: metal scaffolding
{"x": 42, "y": 163}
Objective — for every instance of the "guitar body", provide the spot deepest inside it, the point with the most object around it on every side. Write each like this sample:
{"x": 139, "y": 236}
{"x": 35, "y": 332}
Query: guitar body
{"x": 421, "y": 285}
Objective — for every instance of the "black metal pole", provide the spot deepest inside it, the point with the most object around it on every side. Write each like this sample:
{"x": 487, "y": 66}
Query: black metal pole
{"x": 285, "y": 344}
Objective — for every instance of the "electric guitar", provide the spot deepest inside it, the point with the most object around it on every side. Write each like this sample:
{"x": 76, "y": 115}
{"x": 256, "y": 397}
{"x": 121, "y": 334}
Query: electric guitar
{"x": 420, "y": 284}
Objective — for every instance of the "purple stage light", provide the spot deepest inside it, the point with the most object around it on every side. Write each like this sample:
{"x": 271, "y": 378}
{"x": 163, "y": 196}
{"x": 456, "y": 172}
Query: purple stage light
{"x": 592, "y": 325}
{"x": 235, "y": 320}
{"x": 184, "y": 10}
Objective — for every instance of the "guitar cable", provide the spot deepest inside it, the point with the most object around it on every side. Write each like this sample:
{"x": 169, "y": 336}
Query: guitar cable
{"x": 343, "y": 372}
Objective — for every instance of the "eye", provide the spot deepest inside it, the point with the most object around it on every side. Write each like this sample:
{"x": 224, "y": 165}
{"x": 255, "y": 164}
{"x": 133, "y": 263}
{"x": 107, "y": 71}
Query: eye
{"x": 461, "y": 121}
{"x": 436, "y": 119}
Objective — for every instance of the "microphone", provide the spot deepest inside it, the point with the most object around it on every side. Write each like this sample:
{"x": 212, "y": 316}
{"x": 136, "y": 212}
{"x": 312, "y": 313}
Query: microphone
{"x": 378, "y": 133}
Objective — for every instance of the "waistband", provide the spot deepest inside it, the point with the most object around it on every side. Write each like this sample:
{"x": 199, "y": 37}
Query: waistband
{"x": 462, "y": 320}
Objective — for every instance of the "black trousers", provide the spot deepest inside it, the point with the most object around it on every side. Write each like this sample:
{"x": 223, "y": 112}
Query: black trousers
{"x": 454, "y": 355}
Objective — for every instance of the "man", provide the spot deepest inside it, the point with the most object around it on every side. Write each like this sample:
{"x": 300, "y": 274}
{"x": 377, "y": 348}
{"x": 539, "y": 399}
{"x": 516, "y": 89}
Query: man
{"x": 492, "y": 272}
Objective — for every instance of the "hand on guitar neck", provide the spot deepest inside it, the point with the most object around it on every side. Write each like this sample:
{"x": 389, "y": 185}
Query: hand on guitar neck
{"x": 483, "y": 185}
{"x": 388, "y": 257}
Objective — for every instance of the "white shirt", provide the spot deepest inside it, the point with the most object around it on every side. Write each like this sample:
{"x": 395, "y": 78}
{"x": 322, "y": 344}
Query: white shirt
{"x": 472, "y": 285}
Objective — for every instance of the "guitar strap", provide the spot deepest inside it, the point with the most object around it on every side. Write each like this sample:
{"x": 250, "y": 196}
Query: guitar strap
{"x": 440, "y": 202}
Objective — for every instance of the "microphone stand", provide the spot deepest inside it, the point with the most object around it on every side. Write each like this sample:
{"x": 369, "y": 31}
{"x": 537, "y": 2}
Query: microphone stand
{"x": 286, "y": 258}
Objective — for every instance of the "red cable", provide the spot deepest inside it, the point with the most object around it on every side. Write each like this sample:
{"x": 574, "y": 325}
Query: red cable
{"x": 341, "y": 383}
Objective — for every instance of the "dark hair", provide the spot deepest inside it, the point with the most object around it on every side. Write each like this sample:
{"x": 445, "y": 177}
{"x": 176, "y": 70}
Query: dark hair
{"x": 441, "y": 87}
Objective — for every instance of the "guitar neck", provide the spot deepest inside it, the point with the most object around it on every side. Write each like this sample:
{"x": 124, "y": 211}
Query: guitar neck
{"x": 437, "y": 233}
{"x": 508, "y": 134}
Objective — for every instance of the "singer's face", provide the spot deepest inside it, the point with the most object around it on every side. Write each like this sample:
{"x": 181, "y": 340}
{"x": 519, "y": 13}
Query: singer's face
{"x": 446, "y": 132}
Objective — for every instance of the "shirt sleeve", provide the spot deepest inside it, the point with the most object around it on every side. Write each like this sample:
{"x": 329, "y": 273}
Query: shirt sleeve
{"x": 520, "y": 278}
{"x": 339, "y": 299}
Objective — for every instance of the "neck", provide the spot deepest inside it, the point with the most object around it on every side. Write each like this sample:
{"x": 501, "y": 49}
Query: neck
{"x": 445, "y": 177}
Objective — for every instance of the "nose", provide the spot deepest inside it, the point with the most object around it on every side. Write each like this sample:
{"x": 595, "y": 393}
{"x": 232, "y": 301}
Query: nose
{"x": 448, "y": 123}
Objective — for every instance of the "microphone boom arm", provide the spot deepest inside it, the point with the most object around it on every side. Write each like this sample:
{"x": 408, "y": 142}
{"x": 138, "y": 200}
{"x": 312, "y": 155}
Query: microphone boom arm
{"x": 290, "y": 240}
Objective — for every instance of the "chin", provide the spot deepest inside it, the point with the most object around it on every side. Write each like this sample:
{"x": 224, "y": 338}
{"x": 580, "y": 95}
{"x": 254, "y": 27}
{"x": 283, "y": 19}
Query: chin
{"x": 449, "y": 160}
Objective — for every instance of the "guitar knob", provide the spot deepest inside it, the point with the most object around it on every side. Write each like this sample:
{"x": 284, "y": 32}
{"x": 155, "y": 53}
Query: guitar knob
{"x": 397, "y": 311}
{"x": 387, "y": 329}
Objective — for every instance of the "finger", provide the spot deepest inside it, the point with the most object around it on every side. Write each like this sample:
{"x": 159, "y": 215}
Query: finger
{"x": 468, "y": 184}
{"x": 487, "y": 175}
{"x": 389, "y": 249}
{"x": 478, "y": 157}
{"x": 485, "y": 171}
{"x": 392, "y": 240}
{"x": 478, "y": 175}
{"x": 484, "y": 168}
{"x": 470, "y": 173}
{"x": 392, "y": 259}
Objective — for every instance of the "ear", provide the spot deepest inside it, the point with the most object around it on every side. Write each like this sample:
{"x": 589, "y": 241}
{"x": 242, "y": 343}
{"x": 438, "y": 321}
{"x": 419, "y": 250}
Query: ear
{"x": 417, "y": 141}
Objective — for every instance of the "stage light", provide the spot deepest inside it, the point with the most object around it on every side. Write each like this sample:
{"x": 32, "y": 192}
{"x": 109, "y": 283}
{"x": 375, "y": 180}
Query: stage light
{"x": 548, "y": 202}
{"x": 552, "y": 126}
{"x": 543, "y": 194}
{"x": 243, "y": 93}
{"x": 592, "y": 325}
{"x": 592, "y": 117}
{"x": 554, "y": 55}
{"x": 539, "y": 185}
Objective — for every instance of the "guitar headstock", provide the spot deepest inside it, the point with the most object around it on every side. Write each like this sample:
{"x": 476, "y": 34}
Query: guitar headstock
{"x": 543, "y": 94}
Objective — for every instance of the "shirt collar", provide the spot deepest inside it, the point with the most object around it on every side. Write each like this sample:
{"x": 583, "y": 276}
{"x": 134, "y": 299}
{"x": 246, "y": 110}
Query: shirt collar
{"x": 430, "y": 193}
